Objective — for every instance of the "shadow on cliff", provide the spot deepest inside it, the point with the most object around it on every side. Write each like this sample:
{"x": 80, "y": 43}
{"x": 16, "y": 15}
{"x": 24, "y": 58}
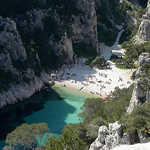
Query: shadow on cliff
{"x": 49, "y": 107}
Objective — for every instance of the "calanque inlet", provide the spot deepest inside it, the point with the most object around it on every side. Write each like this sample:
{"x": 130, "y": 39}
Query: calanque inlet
{"x": 74, "y": 74}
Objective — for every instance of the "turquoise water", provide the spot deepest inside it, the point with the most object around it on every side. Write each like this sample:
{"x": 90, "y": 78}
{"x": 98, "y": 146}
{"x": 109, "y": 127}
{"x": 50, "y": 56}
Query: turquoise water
{"x": 58, "y": 107}
{"x": 57, "y": 113}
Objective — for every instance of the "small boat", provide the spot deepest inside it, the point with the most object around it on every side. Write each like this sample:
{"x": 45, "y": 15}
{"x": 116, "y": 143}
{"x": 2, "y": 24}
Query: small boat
{"x": 81, "y": 88}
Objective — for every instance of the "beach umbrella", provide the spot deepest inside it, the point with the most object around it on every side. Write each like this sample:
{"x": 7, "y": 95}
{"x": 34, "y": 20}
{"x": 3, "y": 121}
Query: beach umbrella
{"x": 105, "y": 98}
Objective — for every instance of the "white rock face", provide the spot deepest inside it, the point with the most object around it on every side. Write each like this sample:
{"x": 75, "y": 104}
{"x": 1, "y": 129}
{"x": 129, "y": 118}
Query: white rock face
{"x": 110, "y": 137}
{"x": 130, "y": 19}
{"x": 145, "y": 146}
{"x": 63, "y": 47}
{"x": 11, "y": 40}
{"x": 134, "y": 100}
{"x": 138, "y": 93}
{"x": 22, "y": 91}
{"x": 144, "y": 28}
{"x": 85, "y": 25}
{"x": 144, "y": 58}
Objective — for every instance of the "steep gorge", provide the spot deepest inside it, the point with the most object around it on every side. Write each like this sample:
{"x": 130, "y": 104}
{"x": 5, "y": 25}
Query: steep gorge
{"x": 43, "y": 37}
{"x": 39, "y": 40}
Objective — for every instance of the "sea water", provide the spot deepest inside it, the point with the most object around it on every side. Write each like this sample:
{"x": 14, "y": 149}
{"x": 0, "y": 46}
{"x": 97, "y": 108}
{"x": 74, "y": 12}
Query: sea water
{"x": 58, "y": 107}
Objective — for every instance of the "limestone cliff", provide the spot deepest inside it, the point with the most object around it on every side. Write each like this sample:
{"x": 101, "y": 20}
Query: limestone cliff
{"x": 140, "y": 93}
{"x": 85, "y": 25}
{"x": 144, "y": 28}
{"x": 110, "y": 137}
{"x": 12, "y": 53}
{"x": 38, "y": 40}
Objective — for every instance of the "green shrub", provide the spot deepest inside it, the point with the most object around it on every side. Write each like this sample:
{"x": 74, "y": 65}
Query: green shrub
{"x": 132, "y": 53}
{"x": 99, "y": 62}
{"x": 107, "y": 36}
{"x": 139, "y": 119}
{"x": 93, "y": 126}
{"x": 69, "y": 140}
{"x": 129, "y": 33}
{"x": 83, "y": 49}
{"x": 145, "y": 77}
{"x": 6, "y": 78}
{"x": 123, "y": 8}
{"x": 116, "y": 104}
{"x": 133, "y": 75}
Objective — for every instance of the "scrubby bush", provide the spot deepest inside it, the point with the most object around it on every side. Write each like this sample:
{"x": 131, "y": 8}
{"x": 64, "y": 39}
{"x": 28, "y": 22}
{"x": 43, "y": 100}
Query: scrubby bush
{"x": 69, "y": 140}
{"x": 92, "y": 128}
{"x": 128, "y": 34}
{"x": 25, "y": 136}
{"x": 132, "y": 54}
{"x": 139, "y": 119}
{"x": 99, "y": 62}
{"x": 144, "y": 82}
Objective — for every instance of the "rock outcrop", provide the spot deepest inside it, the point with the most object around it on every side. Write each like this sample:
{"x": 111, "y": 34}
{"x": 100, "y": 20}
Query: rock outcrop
{"x": 85, "y": 25}
{"x": 138, "y": 92}
{"x": 129, "y": 19}
{"x": 144, "y": 146}
{"x": 22, "y": 91}
{"x": 110, "y": 137}
{"x": 144, "y": 28}
{"x": 11, "y": 46}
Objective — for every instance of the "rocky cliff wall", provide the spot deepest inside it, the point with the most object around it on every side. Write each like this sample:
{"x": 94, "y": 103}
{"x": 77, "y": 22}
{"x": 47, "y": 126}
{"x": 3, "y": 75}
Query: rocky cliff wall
{"x": 144, "y": 28}
{"x": 85, "y": 25}
{"x": 13, "y": 52}
{"x": 11, "y": 46}
{"x": 139, "y": 95}
{"x": 39, "y": 41}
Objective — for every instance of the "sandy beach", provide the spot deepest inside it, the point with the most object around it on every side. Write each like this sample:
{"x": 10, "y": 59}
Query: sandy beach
{"x": 94, "y": 81}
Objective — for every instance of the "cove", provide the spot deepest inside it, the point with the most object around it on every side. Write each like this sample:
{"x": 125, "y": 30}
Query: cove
{"x": 57, "y": 107}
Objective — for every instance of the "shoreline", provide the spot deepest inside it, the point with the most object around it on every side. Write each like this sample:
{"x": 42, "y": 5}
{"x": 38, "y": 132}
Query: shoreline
{"x": 98, "y": 82}
{"x": 95, "y": 82}
{"x": 74, "y": 89}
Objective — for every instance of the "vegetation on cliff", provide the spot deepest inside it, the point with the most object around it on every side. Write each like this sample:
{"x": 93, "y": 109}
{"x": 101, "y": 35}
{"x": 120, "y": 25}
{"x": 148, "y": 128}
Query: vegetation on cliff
{"x": 138, "y": 120}
{"x": 129, "y": 60}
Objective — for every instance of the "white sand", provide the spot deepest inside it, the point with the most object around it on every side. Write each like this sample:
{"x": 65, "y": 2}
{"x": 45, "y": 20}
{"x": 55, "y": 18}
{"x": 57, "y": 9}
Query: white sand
{"x": 109, "y": 78}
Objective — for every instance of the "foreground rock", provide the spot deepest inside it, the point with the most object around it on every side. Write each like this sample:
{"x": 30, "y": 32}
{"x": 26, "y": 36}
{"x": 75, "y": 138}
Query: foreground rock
{"x": 113, "y": 138}
{"x": 110, "y": 137}
{"x": 144, "y": 146}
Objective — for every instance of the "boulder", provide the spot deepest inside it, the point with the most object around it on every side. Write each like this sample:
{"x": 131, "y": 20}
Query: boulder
{"x": 110, "y": 137}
